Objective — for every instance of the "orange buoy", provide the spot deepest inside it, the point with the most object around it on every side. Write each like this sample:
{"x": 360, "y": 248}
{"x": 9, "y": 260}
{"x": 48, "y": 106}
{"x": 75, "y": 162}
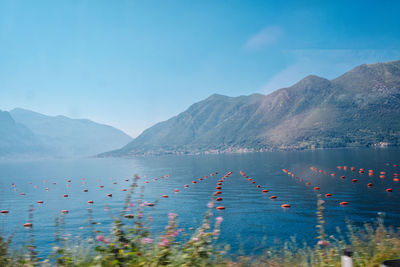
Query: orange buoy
{"x": 64, "y": 211}
{"x": 39, "y": 201}
{"x": 219, "y": 183}
{"x": 218, "y": 199}
{"x": 381, "y": 176}
{"x": 218, "y": 187}
{"x": 123, "y": 189}
{"x": 389, "y": 190}
{"x": 383, "y": 172}
{"x": 285, "y": 206}
{"x": 354, "y": 180}
{"x": 328, "y": 195}
{"x": 65, "y": 195}
{"x": 22, "y": 194}
{"x": 218, "y": 192}
{"x": 220, "y": 208}
{"x": 308, "y": 183}
{"x": 265, "y": 191}
{"x": 253, "y": 182}
{"x": 186, "y": 186}
{"x": 164, "y": 196}
{"x": 342, "y": 177}
{"x": 369, "y": 184}
{"x": 109, "y": 195}
{"x": 352, "y": 169}
{"x": 150, "y": 204}
{"x": 395, "y": 179}
{"x": 176, "y": 190}
{"x": 332, "y": 174}
{"x": 4, "y": 211}
{"x": 344, "y": 203}
{"x": 101, "y": 186}
{"x": 90, "y": 202}
{"x": 28, "y": 225}
{"x": 258, "y": 186}
{"x": 129, "y": 216}
{"x": 193, "y": 182}
{"x": 395, "y": 174}
{"x": 272, "y": 197}
{"x": 317, "y": 188}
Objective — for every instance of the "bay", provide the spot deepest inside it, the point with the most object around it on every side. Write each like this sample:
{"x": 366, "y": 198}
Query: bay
{"x": 251, "y": 219}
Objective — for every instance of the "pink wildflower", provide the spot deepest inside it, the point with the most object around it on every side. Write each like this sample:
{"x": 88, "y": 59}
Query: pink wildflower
{"x": 140, "y": 215}
{"x": 174, "y": 234}
{"x": 172, "y": 216}
{"x": 323, "y": 243}
{"x": 100, "y": 238}
{"x": 146, "y": 240}
{"x": 210, "y": 205}
{"x": 164, "y": 242}
{"x": 219, "y": 219}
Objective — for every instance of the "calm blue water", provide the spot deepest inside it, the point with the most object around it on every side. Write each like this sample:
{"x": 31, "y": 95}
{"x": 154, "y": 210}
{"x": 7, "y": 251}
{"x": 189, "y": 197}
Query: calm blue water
{"x": 249, "y": 216}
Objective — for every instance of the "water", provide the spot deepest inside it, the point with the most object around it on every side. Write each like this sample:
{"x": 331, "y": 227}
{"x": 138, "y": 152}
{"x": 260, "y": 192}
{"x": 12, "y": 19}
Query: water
{"x": 250, "y": 216}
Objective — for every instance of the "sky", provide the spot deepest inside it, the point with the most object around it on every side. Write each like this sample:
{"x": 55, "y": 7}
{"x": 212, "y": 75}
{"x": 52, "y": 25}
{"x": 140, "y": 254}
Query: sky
{"x": 131, "y": 64}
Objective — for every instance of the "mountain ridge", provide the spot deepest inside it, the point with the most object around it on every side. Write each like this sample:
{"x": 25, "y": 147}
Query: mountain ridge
{"x": 26, "y": 133}
{"x": 313, "y": 113}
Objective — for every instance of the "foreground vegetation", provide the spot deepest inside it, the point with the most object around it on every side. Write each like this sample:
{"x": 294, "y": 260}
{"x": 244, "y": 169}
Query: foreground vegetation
{"x": 129, "y": 243}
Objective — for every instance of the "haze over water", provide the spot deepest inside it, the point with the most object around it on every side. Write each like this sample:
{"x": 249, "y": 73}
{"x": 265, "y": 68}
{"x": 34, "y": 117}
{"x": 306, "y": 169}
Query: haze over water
{"x": 249, "y": 215}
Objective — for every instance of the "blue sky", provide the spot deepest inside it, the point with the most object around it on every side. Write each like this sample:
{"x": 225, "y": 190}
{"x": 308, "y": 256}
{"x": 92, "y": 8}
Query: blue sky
{"x": 131, "y": 63}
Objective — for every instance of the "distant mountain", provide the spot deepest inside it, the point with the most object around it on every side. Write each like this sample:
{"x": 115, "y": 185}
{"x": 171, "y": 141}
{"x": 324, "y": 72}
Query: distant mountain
{"x": 58, "y": 136}
{"x": 15, "y": 138}
{"x": 359, "y": 108}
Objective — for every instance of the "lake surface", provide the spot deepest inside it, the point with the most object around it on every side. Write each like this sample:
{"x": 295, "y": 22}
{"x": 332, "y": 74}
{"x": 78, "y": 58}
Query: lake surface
{"x": 250, "y": 216}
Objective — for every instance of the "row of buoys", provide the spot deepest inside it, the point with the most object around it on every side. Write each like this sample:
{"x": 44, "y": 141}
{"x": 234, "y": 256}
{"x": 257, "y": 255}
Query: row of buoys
{"x": 64, "y": 211}
{"x": 370, "y": 172}
{"x": 264, "y": 191}
{"x": 219, "y": 187}
{"x": 315, "y": 188}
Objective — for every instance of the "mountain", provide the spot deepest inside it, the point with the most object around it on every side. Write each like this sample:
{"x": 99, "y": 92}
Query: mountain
{"x": 60, "y": 136}
{"x": 15, "y": 138}
{"x": 359, "y": 108}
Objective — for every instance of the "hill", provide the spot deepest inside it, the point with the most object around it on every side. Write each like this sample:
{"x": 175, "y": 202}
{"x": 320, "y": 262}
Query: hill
{"x": 25, "y": 132}
{"x": 359, "y": 108}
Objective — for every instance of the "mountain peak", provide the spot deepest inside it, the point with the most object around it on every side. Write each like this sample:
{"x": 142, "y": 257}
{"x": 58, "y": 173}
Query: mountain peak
{"x": 217, "y": 96}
